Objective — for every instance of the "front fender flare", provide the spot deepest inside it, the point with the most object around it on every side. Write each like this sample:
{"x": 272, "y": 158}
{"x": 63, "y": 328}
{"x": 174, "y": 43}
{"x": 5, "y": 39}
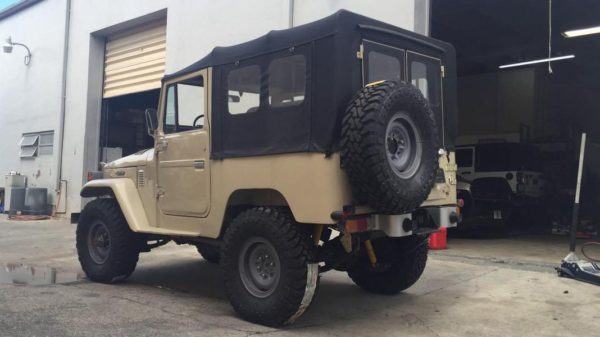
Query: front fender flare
{"x": 126, "y": 194}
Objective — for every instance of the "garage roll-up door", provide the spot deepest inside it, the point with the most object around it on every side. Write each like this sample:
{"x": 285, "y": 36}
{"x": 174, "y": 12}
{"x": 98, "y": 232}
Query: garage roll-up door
{"x": 135, "y": 60}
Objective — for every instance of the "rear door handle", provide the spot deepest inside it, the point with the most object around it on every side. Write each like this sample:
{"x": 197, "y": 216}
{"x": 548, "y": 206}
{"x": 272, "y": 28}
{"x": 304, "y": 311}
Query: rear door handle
{"x": 199, "y": 164}
{"x": 465, "y": 172}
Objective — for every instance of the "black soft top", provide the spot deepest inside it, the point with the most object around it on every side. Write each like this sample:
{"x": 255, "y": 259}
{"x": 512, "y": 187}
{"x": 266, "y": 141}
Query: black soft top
{"x": 334, "y": 74}
{"x": 340, "y": 22}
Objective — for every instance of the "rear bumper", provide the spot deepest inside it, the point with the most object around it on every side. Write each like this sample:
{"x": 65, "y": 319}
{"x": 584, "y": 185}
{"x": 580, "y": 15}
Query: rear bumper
{"x": 423, "y": 221}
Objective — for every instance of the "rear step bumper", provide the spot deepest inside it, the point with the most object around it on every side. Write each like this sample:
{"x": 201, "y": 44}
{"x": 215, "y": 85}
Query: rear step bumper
{"x": 423, "y": 221}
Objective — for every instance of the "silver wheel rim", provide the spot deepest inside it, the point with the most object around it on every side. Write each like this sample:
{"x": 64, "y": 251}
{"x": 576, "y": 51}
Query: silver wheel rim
{"x": 259, "y": 267}
{"x": 403, "y": 145}
{"x": 98, "y": 241}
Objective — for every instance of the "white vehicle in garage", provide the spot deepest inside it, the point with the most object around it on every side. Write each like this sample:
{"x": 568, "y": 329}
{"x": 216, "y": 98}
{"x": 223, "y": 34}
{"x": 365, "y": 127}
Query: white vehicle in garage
{"x": 515, "y": 162}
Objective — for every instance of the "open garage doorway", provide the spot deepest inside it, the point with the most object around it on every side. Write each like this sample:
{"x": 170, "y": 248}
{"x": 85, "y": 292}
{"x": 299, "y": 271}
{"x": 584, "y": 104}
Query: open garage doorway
{"x": 134, "y": 64}
{"x": 123, "y": 128}
{"x": 520, "y": 124}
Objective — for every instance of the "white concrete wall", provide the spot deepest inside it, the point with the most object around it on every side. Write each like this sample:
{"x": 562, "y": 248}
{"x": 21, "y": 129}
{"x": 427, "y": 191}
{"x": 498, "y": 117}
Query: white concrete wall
{"x": 194, "y": 27}
{"x": 397, "y": 12}
{"x": 30, "y": 95}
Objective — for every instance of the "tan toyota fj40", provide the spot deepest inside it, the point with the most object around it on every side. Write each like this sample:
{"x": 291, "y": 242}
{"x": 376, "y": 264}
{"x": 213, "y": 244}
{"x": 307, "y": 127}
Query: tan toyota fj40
{"x": 265, "y": 149}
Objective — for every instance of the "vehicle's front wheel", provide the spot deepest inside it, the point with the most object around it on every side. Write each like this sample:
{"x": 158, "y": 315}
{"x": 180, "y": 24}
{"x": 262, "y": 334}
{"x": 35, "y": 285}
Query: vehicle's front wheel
{"x": 400, "y": 263}
{"x": 108, "y": 250}
{"x": 268, "y": 267}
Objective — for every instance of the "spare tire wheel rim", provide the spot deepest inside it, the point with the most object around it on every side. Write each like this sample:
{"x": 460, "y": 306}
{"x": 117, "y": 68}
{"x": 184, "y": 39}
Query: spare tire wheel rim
{"x": 403, "y": 145}
{"x": 98, "y": 242}
{"x": 259, "y": 267}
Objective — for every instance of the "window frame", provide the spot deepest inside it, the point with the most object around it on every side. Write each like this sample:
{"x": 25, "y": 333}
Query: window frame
{"x": 174, "y": 84}
{"x": 261, "y": 89}
{"x": 370, "y": 45}
{"x": 305, "y": 97}
{"x": 471, "y": 149}
{"x": 411, "y": 55}
{"x": 31, "y": 144}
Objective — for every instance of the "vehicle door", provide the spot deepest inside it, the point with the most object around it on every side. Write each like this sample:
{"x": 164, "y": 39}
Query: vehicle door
{"x": 183, "y": 148}
{"x": 425, "y": 73}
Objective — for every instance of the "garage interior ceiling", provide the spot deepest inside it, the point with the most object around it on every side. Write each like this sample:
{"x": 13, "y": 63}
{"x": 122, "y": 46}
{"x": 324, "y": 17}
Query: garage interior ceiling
{"x": 490, "y": 33}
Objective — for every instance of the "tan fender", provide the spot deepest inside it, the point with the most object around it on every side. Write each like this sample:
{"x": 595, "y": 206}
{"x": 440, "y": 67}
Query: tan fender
{"x": 125, "y": 191}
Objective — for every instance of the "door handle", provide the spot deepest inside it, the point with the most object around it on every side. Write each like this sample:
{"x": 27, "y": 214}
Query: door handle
{"x": 161, "y": 145}
{"x": 465, "y": 172}
{"x": 199, "y": 164}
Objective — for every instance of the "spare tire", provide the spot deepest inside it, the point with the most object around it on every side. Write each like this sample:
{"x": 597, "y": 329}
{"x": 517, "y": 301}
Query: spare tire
{"x": 389, "y": 147}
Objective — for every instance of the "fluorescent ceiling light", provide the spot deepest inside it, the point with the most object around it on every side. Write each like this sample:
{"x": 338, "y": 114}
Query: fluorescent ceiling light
{"x": 581, "y": 32}
{"x": 557, "y": 58}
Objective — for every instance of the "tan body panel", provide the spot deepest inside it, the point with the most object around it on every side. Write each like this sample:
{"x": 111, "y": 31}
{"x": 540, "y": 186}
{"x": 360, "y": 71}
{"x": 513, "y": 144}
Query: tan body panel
{"x": 127, "y": 196}
{"x": 312, "y": 186}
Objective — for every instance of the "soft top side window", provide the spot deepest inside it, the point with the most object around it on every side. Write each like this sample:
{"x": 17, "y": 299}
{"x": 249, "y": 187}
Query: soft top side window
{"x": 287, "y": 81}
{"x": 243, "y": 90}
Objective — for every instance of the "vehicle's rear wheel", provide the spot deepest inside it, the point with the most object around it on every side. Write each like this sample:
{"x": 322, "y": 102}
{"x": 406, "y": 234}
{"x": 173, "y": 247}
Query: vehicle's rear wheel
{"x": 209, "y": 253}
{"x": 108, "y": 250}
{"x": 389, "y": 147}
{"x": 400, "y": 263}
{"x": 268, "y": 266}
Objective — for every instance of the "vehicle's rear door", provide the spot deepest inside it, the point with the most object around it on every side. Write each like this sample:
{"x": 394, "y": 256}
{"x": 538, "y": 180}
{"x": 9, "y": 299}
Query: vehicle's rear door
{"x": 425, "y": 73}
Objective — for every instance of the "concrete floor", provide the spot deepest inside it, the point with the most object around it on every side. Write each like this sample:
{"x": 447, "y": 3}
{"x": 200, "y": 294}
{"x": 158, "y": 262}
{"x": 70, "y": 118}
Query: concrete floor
{"x": 535, "y": 249}
{"x": 174, "y": 292}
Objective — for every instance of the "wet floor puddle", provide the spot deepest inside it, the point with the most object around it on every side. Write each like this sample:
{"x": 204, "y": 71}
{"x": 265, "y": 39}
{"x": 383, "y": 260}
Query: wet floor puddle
{"x": 37, "y": 276}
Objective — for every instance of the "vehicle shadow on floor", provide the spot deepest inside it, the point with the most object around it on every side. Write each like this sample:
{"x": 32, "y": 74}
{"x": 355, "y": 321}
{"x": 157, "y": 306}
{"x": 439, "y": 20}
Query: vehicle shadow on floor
{"x": 337, "y": 299}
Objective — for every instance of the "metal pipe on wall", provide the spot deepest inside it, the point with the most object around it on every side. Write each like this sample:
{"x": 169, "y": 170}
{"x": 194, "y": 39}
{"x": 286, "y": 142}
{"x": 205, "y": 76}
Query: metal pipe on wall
{"x": 291, "y": 14}
{"x": 63, "y": 99}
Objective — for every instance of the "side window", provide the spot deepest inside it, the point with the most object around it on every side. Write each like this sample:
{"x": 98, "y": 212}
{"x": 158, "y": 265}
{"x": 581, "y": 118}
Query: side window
{"x": 185, "y": 106}
{"x": 382, "y": 62}
{"x": 425, "y": 73}
{"x": 464, "y": 157}
{"x": 243, "y": 90}
{"x": 287, "y": 81}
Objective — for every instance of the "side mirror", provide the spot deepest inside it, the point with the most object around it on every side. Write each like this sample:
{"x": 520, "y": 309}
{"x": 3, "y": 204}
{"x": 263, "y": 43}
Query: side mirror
{"x": 151, "y": 121}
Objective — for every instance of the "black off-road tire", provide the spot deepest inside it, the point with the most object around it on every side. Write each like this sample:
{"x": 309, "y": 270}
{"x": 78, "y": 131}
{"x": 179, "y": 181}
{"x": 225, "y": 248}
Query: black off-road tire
{"x": 365, "y": 144}
{"x": 298, "y": 273}
{"x": 209, "y": 253}
{"x": 400, "y": 263}
{"x": 124, "y": 247}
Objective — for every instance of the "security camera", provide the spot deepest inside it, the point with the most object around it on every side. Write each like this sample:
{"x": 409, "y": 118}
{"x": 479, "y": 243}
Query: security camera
{"x": 7, "y": 48}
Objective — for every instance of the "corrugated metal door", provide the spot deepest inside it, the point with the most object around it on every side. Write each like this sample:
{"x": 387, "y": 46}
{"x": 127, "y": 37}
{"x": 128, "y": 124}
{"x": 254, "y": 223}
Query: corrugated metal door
{"x": 135, "y": 60}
